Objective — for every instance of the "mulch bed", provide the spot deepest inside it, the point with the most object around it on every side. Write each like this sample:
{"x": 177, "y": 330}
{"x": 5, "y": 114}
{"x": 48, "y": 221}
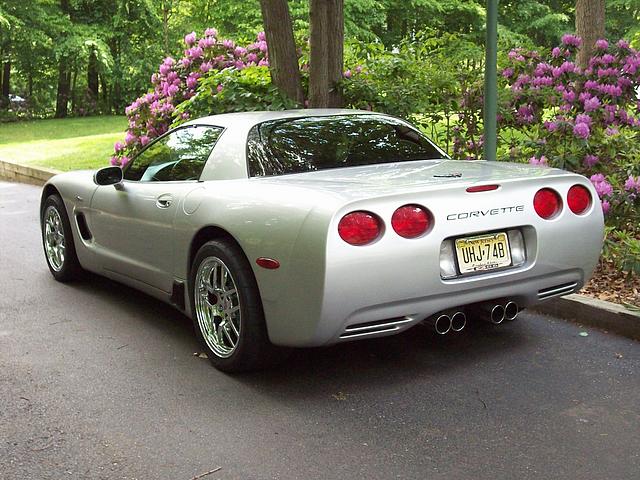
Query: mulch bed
{"x": 610, "y": 284}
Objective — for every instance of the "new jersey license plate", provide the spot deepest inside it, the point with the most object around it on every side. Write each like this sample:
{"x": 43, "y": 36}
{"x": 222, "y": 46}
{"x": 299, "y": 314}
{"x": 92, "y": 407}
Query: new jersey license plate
{"x": 482, "y": 253}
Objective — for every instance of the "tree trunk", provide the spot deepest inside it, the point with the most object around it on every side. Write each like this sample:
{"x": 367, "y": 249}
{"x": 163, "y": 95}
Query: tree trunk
{"x": 104, "y": 86}
{"x": 166, "y": 9}
{"x": 114, "y": 90}
{"x": 62, "y": 96}
{"x": 326, "y": 58}
{"x": 92, "y": 76}
{"x": 74, "y": 76}
{"x": 589, "y": 26}
{"x": 6, "y": 79}
{"x": 283, "y": 58}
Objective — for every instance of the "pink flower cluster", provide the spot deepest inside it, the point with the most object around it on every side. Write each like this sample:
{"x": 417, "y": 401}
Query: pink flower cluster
{"x": 541, "y": 162}
{"x": 152, "y": 114}
{"x": 604, "y": 190}
{"x": 611, "y": 77}
{"x": 632, "y": 184}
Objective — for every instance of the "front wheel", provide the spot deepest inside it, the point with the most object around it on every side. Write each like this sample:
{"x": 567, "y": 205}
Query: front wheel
{"x": 57, "y": 240}
{"x": 227, "y": 310}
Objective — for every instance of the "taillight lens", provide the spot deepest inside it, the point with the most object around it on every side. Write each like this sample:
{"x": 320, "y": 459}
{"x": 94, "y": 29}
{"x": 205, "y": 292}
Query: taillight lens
{"x": 578, "y": 199}
{"x": 547, "y": 203}
{"x": 410, "y": 221}
{"x": 359, "y": 228}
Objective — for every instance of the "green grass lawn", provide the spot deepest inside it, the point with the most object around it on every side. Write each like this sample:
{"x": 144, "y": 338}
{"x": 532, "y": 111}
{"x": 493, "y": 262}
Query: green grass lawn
{"x": 62, "y": 144}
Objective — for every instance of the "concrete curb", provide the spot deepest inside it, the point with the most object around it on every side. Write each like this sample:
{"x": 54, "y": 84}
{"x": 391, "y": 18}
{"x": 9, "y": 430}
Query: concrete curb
{"x": 16, "y": 172}
{"x": 594, "y": 313}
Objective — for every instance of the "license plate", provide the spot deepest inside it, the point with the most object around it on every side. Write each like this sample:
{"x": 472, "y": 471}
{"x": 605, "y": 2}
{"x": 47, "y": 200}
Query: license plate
{"x": 482, "y": 253}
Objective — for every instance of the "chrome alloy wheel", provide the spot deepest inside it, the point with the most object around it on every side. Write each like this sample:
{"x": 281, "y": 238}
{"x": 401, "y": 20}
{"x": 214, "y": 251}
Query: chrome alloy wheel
{"x": 54, "y": 244}
{"x": 217, "y": 307}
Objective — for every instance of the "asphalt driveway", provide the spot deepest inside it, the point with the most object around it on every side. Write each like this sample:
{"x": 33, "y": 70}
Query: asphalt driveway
{"x": 100, "y": 382}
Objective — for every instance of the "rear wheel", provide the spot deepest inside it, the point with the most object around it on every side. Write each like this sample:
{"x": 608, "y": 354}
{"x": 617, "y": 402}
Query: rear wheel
{"x": 57, "y": 240}
{"x": 227, "y": 310}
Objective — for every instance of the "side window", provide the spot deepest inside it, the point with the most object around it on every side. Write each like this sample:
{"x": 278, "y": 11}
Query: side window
{"x": 180, "y": 155}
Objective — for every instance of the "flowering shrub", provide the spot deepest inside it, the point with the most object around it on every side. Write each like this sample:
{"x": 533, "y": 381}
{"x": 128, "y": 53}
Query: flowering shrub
{"x": 176, "y": 81}
{"x": 233, "y": 90}
{"x": 554, "y": 113}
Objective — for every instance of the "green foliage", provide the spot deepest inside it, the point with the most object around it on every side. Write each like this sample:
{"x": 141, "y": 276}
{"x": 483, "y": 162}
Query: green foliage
{"x": 421, "y": 80}
{"x": 623, "y": 249}
{"x": 231, "y": 90}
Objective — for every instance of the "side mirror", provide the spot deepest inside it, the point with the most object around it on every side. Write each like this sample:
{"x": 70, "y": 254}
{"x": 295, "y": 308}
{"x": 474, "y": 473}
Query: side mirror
{"x": 108, "y": 176}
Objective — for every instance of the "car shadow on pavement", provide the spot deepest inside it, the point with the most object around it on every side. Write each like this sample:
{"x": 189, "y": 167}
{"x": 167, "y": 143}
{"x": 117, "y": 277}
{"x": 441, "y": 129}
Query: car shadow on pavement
{"x": 370, "y": 364}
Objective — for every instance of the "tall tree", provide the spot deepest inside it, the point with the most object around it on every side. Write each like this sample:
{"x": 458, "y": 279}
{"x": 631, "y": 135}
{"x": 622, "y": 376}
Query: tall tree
{"x": 64, "y": 75}
{"x": 283, "y": 59}
{"x": 6, "y": 78}
{"x": 589, "y": 26}
{"x": 327, "y": 50}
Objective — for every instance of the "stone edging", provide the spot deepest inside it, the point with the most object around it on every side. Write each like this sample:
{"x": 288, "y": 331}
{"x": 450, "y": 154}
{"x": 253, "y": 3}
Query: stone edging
{"x": 16, "y": 172}
{"x": 593, "y": 312}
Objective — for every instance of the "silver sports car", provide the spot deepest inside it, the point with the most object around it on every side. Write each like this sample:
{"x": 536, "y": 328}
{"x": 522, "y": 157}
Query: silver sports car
{"x": 311, "y": 227}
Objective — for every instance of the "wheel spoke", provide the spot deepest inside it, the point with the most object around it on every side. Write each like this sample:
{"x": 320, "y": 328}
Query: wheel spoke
{"x": 226, "y": 334}
{"x": 233, "y": 327}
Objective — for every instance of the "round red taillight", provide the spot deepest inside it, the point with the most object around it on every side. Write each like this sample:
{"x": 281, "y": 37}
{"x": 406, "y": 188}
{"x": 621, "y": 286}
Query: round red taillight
{"x": 547, "y": 203}
{"x": 410, "y": 221}
{"x": 359, "y": 228}
{"x": 578, "y": 199}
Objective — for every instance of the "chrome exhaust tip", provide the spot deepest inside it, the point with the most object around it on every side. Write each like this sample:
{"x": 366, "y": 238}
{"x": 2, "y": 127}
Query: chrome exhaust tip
{"x": 511, "y": 311}
{"x": 458, "y": 321}
{"x": 441, "y": 323}
{"x": 496, "y": 315}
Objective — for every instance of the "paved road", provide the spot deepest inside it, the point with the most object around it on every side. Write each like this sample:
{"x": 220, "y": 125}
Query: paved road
{"x": 99, "y": 382}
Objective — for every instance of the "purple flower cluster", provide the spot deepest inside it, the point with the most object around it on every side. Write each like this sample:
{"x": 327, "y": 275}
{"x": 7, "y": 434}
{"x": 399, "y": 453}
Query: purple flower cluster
{"x": 604, "y": 190}
{"x": 632, "y": 184}
{"x": 542, "y": 161}
{"x": 152, "y": 114}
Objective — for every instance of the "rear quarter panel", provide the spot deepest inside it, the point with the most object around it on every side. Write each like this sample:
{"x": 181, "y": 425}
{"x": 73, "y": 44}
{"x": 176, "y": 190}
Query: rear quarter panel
{"x": 288, "y": 224}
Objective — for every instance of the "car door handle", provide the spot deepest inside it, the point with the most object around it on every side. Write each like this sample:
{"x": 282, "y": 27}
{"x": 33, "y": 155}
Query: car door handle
{"x": 164, "y": 201}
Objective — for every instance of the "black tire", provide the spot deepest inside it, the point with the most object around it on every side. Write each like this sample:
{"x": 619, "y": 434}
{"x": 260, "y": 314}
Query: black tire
{"x": 253, "y": 350}
{"x": 70, "y": 268}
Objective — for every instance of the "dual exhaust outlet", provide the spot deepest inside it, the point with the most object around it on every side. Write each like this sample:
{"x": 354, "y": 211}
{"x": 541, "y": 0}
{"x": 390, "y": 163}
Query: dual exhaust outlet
{"x": 444, "y": 323}
{"x": 498, "y": 313}
{"x": 456, "y": 320}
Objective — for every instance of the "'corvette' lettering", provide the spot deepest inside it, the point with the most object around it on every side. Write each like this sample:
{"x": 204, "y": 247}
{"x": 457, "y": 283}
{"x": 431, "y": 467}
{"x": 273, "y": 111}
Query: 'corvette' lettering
{"x": 485, "y": 213}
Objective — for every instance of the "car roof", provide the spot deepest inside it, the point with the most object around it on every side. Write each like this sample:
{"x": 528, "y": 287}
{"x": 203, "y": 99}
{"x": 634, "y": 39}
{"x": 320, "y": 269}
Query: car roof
{"x": 248, "y": 119}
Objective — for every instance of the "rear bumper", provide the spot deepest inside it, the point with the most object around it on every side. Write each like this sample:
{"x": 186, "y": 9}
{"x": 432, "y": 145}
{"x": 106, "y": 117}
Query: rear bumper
{"x": 525, "y": 293}
{"x": 344, "y": 318}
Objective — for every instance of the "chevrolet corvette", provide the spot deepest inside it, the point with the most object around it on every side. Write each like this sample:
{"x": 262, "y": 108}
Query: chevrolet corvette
{"x": 313, "y": 227}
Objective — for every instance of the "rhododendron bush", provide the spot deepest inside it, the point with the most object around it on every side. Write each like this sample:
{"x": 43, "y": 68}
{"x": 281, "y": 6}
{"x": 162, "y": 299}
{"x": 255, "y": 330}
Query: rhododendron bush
{"x": 585, "y": 120}
{"x": 177, "y": 81}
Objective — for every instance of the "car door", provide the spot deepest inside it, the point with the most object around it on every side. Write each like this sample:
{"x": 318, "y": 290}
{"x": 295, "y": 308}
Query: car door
{"x": 132, "y": 222}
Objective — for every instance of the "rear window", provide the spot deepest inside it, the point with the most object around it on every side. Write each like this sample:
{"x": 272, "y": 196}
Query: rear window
{"x": 309, "y": 144}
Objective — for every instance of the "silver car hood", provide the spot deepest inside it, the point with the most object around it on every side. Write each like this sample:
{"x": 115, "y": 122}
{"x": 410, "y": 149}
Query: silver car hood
{"x": 394, "y": 178}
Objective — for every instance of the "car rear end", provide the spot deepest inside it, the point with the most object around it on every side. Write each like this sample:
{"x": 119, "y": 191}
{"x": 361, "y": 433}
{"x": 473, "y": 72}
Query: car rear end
{"x": 519, "y": 240}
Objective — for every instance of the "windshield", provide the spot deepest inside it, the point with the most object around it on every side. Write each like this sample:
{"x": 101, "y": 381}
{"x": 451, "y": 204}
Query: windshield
{"x": 318, "y": 143}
